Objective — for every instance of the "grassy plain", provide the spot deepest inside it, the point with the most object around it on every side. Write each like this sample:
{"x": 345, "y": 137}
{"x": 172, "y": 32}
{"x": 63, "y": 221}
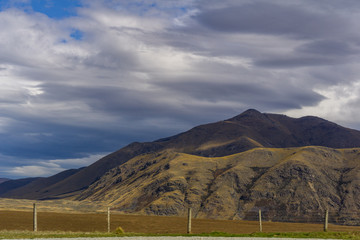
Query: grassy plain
{"x": 62, "y": 218}
{"x": 97, "y": 222}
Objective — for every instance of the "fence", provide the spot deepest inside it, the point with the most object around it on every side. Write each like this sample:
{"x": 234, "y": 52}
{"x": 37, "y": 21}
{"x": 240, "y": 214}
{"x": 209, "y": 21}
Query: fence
{"x": 108, "y": 220}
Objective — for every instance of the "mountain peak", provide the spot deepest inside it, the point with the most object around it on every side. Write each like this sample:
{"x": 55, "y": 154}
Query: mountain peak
{"x": 250, "y": 113}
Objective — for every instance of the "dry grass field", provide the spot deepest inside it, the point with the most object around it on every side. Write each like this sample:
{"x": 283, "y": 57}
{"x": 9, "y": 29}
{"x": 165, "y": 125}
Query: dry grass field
{"x": 91, "y": 222}
{"x": 73, "y": 216}
{"x": 52, "y": 205}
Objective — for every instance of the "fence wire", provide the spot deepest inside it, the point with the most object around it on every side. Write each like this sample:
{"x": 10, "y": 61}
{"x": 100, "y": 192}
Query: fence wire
{"x": 315, "y": 216}
{"x": 99, "y": 220}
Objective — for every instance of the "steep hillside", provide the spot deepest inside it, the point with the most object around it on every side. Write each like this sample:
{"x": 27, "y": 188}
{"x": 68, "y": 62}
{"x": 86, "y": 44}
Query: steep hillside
{"x": 248, "y": 130}
{"x": 287, "y": 183}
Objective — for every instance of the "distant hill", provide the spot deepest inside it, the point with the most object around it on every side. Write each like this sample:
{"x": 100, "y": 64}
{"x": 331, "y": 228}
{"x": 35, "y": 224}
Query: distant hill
{"x": 4, "y": 180}
{"x": 10, "y": 185}
{"x": 248, "y": 132}
{"x": 28, "y": 186}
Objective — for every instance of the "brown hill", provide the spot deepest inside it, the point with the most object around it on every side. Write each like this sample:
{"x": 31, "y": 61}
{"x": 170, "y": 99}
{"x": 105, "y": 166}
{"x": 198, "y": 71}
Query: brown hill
{"x": 30, "y": 186}
{"x": 10, "y": 185}
{"x": 285, "y": 183}
{"x": 248, "y": 130}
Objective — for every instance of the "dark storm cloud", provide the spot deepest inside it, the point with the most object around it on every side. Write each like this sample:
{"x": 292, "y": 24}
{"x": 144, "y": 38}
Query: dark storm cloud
{"x": 271, "y": 97}
{"x": 328, "y": 47}
{"x": 119, "y": 101}
{"x": 313, "y": 53}
{"x": 131, "y": 105}
{"x": 38, "y": 139}
{"x": 294, "y": 62}
{"x": 268, "y": 18}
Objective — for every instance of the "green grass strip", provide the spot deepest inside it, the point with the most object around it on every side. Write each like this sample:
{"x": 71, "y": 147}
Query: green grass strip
{"x": 40, "y": 234}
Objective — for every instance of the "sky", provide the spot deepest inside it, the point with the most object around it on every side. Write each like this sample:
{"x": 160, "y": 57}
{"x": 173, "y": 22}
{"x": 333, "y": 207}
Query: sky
{"x": 80, "y": 79}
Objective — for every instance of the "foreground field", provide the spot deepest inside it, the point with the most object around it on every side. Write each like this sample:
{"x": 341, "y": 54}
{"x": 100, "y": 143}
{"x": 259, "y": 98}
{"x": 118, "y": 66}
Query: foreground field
{"x": 74, "y": 216}
{"x": 97, "y": 222}
{"x": 206, "y": 236}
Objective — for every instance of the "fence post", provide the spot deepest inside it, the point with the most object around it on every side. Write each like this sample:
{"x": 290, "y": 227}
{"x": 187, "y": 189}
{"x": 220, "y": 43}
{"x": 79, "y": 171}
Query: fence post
{"x": 260, "y": 222}
{"x": 326, "y": 220}
{"x": 189, "y": 221}
{"x": 34, "y": 218}
{"x": 108, "y": 219}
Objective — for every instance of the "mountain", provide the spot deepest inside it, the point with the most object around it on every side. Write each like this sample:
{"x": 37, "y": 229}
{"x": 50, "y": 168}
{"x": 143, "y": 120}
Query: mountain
{"x": 287, "y": 183}
{"x": 4, "y": 180}
{"x": 248, "y": 132}
{"x": 29, "y": 186}
{"x": 10, "y": 185}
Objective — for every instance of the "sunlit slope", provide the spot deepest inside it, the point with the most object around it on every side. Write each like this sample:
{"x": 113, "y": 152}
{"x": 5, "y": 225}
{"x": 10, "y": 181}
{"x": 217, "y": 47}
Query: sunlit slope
{"x": 294, "y": 181}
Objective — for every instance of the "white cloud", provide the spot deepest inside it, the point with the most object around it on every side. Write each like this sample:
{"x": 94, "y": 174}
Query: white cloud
{"x": 45, "y": 168}
{"x": 340, "y": 104}
{"x": 78, "y": 162}
{"x": 34, "y": 171}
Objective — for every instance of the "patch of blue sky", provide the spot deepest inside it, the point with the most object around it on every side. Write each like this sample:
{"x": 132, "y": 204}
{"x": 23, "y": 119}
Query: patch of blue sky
{"x": 141, "y": 7}
{"x": 56, "y": 9}
{"x": 76, "y": 34}
{"x": 22, "y": 4}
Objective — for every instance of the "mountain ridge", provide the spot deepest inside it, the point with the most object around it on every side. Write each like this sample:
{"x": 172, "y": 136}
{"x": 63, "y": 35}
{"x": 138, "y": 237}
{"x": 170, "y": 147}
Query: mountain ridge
{"x": 240, "y": 134}
{"x": 293, "y": 181}
{"x": 4, "y": 180}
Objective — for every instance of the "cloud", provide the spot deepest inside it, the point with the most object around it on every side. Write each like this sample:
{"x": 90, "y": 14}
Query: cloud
{"x": 34, "y": 171}
{"x": 142, "y": 70}
{"x": 269, "y": 18}
{"x": 254, "y": 95}
{"x": 77, "y": 162}
{"x": 297, "y": 61}
{"x": 314, "y": 53}
{"x": 328, "y": 47}
{"x": 42, "y": 168}
{"x": 338, "y": 104}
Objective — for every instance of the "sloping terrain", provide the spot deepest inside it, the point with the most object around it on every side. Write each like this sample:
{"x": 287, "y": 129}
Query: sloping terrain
{"x": 246, "y": 131}
{"x": 4, "y": 180}
{"x": 29, "y": 186}
{"x": 10, "y": 185}
{"x": 285, "y": 183}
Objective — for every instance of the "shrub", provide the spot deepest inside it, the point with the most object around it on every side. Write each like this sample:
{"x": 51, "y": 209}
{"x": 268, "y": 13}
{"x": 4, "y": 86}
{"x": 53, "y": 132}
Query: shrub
{"x": 119, "y": 230}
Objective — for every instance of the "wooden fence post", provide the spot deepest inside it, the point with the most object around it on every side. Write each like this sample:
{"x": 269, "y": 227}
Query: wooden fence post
{"x": 108, "y": 219}
{"x": 260, "y": 221}
{"x": 326, "y": 220}
{"x": 189, "y": 221}
{"x": 34, "y": 218}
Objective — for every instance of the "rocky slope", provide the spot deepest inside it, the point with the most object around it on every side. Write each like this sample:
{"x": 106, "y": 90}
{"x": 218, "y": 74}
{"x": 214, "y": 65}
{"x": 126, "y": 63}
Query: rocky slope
{"x": 286, "y": 183}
